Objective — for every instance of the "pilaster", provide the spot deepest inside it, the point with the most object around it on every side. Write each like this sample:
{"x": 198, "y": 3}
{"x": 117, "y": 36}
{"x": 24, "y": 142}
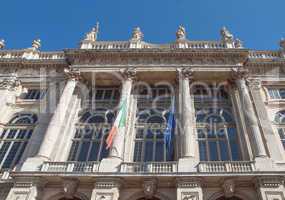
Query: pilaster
{"x": 24, "y": 189}
{"x": 189, "y": 188}
{"x": 106, "y": 189}
{"x": 265, "y": 123}
{"x": 270, "y": 188}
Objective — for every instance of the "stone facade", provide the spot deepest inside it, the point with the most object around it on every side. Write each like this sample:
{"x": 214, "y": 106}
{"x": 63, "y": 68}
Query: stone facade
{"x": 53, "y": 89}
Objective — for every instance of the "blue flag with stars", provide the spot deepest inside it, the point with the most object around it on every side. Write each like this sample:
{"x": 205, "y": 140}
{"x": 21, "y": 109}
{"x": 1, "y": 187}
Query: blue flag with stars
{"x": 169, "y": 131}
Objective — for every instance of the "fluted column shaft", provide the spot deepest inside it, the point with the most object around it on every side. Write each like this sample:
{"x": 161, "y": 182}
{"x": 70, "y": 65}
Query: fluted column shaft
{"x": 188, "y": 122}
{"x": 117, "y": 148}
{"x": 250, "y": 117}
{"x": 57, "y": 120}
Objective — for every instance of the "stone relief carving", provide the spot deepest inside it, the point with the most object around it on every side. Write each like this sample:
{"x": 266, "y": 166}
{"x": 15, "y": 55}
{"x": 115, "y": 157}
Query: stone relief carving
{"x": 149, "y": 188}
{"x": 10, "y": 83}
{"x": 229, "y": 188}
{"x": 70, "y": 187}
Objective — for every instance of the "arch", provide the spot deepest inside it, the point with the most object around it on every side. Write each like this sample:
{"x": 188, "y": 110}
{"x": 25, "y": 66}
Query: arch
{"x": 140, "y": 195}
{"x": 238, "y": 194}
{"x": 23, "y": 118}
{"x": 77, "y": 196}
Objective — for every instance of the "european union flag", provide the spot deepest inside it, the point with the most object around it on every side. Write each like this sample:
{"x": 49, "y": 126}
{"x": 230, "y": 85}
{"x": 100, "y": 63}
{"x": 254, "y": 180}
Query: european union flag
{"x": 169, "y": 131}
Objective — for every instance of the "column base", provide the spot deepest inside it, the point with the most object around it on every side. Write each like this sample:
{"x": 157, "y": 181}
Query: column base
{"x": 33, "y": 164}
{"x": 264, "y": 164}
{"x": 111, "y": 164}
{"x": 189, "y": 164}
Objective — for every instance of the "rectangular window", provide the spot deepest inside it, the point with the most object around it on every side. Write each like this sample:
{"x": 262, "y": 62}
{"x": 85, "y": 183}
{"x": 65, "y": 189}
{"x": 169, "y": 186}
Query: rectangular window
{"x": 276, "y": 93}
{"x": 35, "y": 94}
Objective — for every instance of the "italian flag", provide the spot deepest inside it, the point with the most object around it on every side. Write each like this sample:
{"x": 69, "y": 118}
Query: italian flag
{"x": 119, "y": 123}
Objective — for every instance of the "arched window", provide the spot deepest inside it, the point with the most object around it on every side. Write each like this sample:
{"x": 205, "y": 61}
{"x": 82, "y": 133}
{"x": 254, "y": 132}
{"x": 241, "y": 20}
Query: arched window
{"x": 15, "y": 137}
{"x": 154, "y": 104}
{"x": 89, "y": 142}
{"x": 217, "y": 134}
{"x": 74, "y": 198}
{"x": 279, "y": 121}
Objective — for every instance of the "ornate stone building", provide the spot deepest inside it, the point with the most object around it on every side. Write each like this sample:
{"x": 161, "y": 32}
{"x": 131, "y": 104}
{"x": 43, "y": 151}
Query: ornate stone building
{"x": 225, "y": 139}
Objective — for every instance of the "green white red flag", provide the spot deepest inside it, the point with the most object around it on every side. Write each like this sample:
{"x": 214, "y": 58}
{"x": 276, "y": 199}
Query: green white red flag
{"x": 119, "y": 123}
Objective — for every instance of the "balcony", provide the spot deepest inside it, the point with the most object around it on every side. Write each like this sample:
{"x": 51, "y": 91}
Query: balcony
{"x": 151, "y": 167}
{"x": 70, "y": 167}
{"x": 226, "y": 167}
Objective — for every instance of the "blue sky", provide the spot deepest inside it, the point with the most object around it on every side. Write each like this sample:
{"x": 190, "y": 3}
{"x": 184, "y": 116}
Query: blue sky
{"x": 61, "y": 24}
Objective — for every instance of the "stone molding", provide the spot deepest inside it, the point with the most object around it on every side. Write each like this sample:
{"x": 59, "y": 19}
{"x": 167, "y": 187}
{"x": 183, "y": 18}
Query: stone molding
{"x": 107, "y": 183}
{"x": 188, "y": 182}
{"x": 269, "y": 182}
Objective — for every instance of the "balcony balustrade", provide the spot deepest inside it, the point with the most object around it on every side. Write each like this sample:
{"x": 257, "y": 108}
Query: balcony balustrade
{"x": 149, "y": 167}
{"x": 72, "y": 167}
{"x": 226, "y": 167}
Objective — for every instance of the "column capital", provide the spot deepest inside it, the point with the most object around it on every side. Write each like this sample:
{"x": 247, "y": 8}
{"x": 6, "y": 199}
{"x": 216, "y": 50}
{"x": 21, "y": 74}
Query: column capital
{"x": 11, "y": 83}
{"x": 72, "y": 74}
{"x": 239, "y": 73}
{"x": 129, "y": 73}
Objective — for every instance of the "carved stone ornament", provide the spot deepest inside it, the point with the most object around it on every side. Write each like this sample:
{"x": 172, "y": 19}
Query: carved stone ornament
{"x": 69, "y": 187}
{"x": 137, "y": 35}
{"x": 71, "y": 74}
{"x": 268, "y": 182}
{"x": 2, "y": 44}
{"x": 229, "y": 188}
{"x": 93, "y": 34}
{"x": 129, "y": 73}
{"x": 149, "y": 188}
{"x": 187, "y": 73}
{"x": 181, "y": 33}
{"x": 239, "y": 73}
{"x": 190, "y": 197}
{"x": 10, "y": 83}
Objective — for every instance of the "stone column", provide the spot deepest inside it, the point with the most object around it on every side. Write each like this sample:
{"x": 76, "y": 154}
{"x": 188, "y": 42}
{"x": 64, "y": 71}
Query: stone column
{"x": 249, "y": 113}
{"x": 188, "y": 132}
{"x": 189, "y": 188}
{"x": 52, "y": 134}
{"x": 270, "y": 188}
{"x": 57, "y": 120}
{"x": 265, "y": 122}
{"x": 117, "y": 149}
{"x": 106, "y": 189}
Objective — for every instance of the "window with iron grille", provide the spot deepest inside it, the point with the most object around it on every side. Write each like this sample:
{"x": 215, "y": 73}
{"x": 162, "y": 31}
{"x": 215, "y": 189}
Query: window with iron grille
{"x": 14, "y": 138}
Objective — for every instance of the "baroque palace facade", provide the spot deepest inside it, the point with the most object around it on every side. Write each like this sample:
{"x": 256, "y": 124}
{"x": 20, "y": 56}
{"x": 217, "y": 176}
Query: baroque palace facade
{"x": 226, "y": 140}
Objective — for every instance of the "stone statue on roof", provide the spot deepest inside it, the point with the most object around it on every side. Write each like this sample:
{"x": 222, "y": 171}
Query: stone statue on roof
{"x": 226, "y": 35}
{"x": 137, "y": 35}
{"x": 2, "y": 44}
{"x": 93, "y": 34}
{"x": 36, "y": 44}
{"x": 181, "y": 33}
